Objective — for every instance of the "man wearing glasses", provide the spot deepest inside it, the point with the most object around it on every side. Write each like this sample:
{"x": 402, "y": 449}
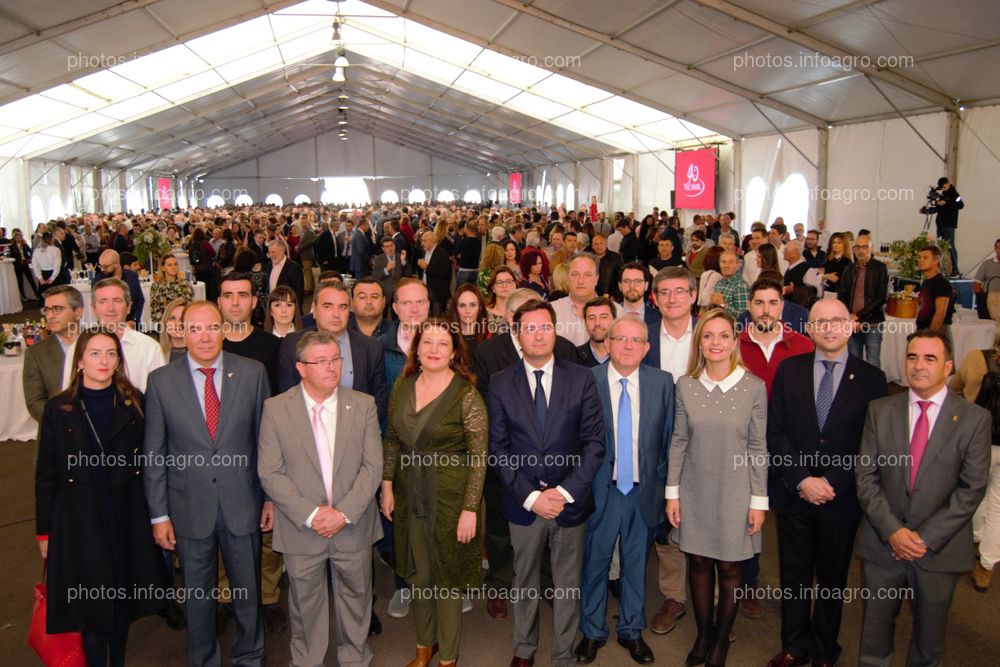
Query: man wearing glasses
{"x": 816, "y": 417}
{"x": 109, "y": 266}
{"x": 48, "y": 365}
{"x": 633, "y": 284}
{"x": 863, "y": 289}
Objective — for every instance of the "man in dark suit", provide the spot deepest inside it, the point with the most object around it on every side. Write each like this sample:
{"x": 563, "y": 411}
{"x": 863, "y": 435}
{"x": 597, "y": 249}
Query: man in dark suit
{"x": 638, "y": 405}
{"x": 815, "y": 418}
{"x": 390, "y": 266}
{"x": 863, "y": 288}
{"x": 492, "y": 356}
{"x": 362, "y": 250}
{"x": 598, "y": 316}
{"x": 325, "y": 249}
{"x": 285, "y": 271}
{"x": 206, "y": 406}
{"x": 362, "y": 368}
{"x": 435, "y": 270}
{"x": 923, "y": 469}
{"x": 344, "y": 240}
{"x": 547, "y": 436}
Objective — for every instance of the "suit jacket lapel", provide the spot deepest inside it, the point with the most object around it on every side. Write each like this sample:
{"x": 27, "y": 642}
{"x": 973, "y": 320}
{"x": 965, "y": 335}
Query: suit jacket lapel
{"x": 556, "y": 399}
{"x": 845, "y": 389}
{"x": 944, "y": 425}
{"x": 605, "y": 393}
{"x": 185, "y": 387}
{"x": 646, "y": 402}
{"x": 901, "y": 428}
{"x": 529, "y": 400}
{"x": 301, "y": 422}
{"x": 345, "y": 425}
{"x": 230, "y": 385}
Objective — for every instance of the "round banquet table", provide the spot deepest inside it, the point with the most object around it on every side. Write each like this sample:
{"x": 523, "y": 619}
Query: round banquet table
{"x": 967, "y": 334}
{"x": 88, "y": 313}
{"x": 15, "y": 422}
{"x": 10, "y": 296}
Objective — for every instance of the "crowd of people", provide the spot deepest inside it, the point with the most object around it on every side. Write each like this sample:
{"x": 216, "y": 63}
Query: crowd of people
{"x": 566, "y": 391}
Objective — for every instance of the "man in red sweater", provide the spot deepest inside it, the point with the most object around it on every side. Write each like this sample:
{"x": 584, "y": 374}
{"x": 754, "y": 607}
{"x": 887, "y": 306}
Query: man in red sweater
{"x": 766, "y": 341}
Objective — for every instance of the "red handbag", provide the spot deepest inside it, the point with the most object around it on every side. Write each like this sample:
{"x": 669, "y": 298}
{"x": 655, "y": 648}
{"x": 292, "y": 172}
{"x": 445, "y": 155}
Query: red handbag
{"x": 60, "y": 650}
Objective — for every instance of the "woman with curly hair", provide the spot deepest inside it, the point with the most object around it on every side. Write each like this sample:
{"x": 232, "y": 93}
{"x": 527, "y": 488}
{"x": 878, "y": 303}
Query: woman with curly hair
{"x": 535, "y": 271}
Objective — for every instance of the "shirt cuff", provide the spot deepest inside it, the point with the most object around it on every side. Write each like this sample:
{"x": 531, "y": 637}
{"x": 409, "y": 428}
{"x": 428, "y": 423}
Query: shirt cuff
{"x": 308, "y": 523}
{"x": 530, "y": 500}
{"x": 565, "y": 494}
{"x": 673, "y": 493}
{"x": 759, "y": 503}
{"x": 346, "y": 520}
{"x": 159, "y": 519}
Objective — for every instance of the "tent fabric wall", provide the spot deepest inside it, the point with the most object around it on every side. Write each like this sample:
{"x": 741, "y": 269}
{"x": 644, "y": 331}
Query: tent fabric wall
{"x": 773, "y": 160}
{"x": 879, "y": 173}
{"x": 976, "y": 180}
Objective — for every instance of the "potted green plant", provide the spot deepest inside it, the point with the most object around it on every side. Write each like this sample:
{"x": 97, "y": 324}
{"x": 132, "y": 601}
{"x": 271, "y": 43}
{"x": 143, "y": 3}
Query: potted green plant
{"x": 904, "y": 255}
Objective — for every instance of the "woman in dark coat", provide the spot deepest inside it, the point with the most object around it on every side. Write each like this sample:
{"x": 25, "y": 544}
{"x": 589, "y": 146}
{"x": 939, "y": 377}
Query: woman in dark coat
{"x": 91, "y": 517}
{"x": 435, "y": 451}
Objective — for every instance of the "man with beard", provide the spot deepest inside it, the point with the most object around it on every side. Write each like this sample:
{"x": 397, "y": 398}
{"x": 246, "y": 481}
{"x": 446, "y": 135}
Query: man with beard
{"x": 633, "y": 284}
{"x": 598, "y": 316}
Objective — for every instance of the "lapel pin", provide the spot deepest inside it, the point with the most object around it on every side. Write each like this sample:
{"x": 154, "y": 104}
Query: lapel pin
{"x": 954, "y": 418}
{"x": 347, "y": 406}
{"x": 851, "y": 376}
{"x": 229, "y": 375}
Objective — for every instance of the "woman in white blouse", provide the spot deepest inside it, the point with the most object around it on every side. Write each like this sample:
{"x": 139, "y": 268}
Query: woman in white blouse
{"x": 717, "y": 477}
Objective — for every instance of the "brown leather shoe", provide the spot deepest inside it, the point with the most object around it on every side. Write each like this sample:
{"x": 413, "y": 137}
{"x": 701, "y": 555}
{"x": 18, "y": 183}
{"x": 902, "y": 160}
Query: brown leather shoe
{"x": 496, "y": 607}
{"x": 751, "y": 607}
{"x": 787, "y": 660}
{"x": 667, "y": 617}
{"x": 981, "y": 578}
{"x": 424, "y": 655}
{"x": 521, "y": 662}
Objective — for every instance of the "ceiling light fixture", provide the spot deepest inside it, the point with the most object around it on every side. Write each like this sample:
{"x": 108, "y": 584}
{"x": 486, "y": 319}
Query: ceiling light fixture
{"x": 338, "y": 75}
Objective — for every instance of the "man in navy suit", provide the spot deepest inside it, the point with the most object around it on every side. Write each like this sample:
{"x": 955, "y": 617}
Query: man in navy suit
{"x": 816, "y": 416}
{"x": 547, "y": 443}
{"x": 638, "y": 405}
{"x": 362, "y": 250}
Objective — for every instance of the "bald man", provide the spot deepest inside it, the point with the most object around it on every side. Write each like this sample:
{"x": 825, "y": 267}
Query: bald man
{"x": 109, "y": 265}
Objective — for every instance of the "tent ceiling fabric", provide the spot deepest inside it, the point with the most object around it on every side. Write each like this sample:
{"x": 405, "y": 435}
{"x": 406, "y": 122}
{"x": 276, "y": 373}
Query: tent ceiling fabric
{"x": 188, "y": 85}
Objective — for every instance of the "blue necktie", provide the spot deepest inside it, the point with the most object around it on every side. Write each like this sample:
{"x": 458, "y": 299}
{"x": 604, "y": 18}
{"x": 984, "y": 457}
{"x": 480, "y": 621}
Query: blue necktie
{"x": 824, "y": 396}
{"x": 624, "y": 440}
{"x": 541, "y": 409}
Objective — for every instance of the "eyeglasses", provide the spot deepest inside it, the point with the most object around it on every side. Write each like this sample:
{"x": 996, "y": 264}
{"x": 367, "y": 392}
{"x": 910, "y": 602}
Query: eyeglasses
{"x": 331, "y": 362}
{"x": 535, "y": 328}
{"x": 55, "y": 310}
{"x": 679, "y": 293}
{"x": 634, "y": 281}
{"x": 621, "y": 340}
{"x": 828, "y": 325}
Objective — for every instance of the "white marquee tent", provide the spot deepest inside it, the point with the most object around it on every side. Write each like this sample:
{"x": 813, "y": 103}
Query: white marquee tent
{"x": 839, "y": 109}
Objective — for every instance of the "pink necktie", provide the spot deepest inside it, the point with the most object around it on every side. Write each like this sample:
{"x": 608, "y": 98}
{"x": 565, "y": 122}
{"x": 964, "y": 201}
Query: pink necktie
{"x": 323, "y": 449}
{"x": 918, "y": 443}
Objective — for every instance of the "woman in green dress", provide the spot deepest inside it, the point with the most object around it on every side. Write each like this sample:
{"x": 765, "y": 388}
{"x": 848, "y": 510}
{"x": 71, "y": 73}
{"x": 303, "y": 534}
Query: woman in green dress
{"x": 435, "y": 456}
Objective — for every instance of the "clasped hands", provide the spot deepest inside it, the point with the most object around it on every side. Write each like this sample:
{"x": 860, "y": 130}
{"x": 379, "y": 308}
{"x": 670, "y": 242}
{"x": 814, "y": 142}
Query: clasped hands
{"x": 755, "y": 518}
{"x": 816, "y": 490}
{"x": 328, "y": 521}
{"x": 549, "y": 504}
{"x": 906, "y": 545}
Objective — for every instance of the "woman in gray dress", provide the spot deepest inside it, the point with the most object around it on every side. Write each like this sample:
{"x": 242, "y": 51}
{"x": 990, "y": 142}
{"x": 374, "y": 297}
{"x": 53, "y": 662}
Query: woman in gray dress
{"x": 717, "y": 477}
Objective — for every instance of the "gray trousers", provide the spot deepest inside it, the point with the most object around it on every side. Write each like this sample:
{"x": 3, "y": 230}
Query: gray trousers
{"x": 241, "y": 554}
{"x": 566, "y": 546}
{"x": 887, "y": 587}
{"x": 309, "y": 606}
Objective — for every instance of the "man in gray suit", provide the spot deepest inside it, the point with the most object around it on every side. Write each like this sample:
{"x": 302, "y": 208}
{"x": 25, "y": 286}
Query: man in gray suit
{"x": 203, "y": 414}
{"x": 922, "y": 471}
{"x": 323, "y": 480}
{"x": 389, "y": 267}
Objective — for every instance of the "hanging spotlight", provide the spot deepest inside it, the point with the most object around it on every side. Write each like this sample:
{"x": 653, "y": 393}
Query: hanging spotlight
{"x": 343, "y": 107}
{"x": 338, "y": 75}
{"x": 336, "y": 30}
{"x": 342, "y": 121}
{"x": 341, "y": 60}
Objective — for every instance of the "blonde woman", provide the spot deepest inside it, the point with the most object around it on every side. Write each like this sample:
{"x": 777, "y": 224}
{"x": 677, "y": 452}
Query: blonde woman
{"x": 168, "y": 285}
{"x": 717, "y": 477}
{"x": 839, "y": 255}
{"x": 172, "y": 330}
{"x": 559, "y": 282}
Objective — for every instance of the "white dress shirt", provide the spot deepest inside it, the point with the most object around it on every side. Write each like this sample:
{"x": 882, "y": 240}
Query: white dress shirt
{"x": 674, "y": 352}
{"x": 766, "y": 348}
{"x": 46, "y": 258}
{"x": 547, "y": 388}
{"x": 615, "y": 386}
{"x": 272, "y": 280}
{"x": 142, "y": 356}
{"x": 933, "y": 410}
{"x": 569, "y": 324}
{"x": 68, "y": 351}
{"x": 330, "y": 422}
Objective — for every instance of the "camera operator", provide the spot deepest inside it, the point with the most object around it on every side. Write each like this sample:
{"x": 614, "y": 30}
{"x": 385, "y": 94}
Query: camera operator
{"x": 947, "y": 205}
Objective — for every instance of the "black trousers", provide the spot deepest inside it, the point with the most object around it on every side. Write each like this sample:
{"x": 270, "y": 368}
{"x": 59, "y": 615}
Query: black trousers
{"x": 812, "y": 547}
{"x": 22, "y": 272}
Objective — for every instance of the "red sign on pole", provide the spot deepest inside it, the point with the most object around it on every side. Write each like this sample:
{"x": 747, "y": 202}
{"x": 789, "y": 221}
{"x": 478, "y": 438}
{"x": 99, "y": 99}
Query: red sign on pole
{"x": 164, "y": 191}
{"x": 515, "y": 188}
{"x": 694, "y": 179}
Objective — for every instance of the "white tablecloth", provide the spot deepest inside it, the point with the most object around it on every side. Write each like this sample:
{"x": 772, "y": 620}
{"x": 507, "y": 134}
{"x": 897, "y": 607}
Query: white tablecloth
{"x": 15, "y": 422}
{"x": 967, "y": 335}
{"x": 88, "y": 313}
{"x": 10, "y": 296}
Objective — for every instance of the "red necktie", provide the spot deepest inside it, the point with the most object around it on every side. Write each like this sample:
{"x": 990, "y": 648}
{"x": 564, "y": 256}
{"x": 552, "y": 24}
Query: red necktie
{"x": 918, "y": 443}
{"x": 211, "y": 402}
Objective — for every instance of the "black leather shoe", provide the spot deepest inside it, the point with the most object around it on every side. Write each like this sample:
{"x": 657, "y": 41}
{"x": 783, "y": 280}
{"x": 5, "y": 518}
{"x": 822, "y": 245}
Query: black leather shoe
{"x": 375, "y": 627}
{"x": 275, "y": 618}
{"x": 586, "y": 650}
{"x": 223, "y": 612}
{"x": 615, "y": 588}
{"x": 176, "y": 618}
{"x": 640, "y": 652}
